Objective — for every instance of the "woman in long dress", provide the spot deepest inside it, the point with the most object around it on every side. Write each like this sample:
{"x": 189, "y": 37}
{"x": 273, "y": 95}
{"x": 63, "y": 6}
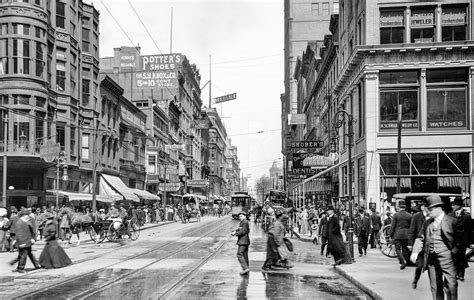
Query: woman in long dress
{"x": 53, "y": 255}
{"x": 304, "y": 222}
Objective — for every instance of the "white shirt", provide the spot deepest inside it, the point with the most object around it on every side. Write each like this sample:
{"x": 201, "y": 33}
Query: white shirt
{"x": 439, "y": 218}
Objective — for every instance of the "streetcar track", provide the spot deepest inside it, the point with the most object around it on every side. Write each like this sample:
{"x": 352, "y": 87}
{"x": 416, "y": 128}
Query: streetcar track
{"x": 115, "y": 281}
{"x": 97, "y": 271}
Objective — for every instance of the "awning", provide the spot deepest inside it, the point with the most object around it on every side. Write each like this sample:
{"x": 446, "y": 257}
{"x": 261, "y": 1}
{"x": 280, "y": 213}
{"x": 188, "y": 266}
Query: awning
{"x": 145, "y": 195}
{"x": 81, "y": 196}
{"x": 118, "y": 186}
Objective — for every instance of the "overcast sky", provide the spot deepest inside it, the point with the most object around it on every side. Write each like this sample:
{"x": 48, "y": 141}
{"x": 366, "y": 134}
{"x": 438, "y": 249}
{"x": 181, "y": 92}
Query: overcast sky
{"x": 245, "y": 40}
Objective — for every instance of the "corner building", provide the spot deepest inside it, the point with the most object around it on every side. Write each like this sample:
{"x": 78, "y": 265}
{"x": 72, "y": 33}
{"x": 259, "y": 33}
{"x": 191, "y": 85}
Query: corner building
{"x": 48, "y": 91}
{"x": 408, "y": 55}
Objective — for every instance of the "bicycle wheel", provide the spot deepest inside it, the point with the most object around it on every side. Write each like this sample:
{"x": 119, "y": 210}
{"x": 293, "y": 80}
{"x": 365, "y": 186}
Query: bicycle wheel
{"x": 113, "y": 231}
{"x": 386, "y": 243}
{"x": 133, "y": 230}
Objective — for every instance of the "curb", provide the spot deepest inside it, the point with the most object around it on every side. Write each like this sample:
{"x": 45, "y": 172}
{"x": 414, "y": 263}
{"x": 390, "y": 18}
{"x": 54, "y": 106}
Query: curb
{"x": 357, "y": 283}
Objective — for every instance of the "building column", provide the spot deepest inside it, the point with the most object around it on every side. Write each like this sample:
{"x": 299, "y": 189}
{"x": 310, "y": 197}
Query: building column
{"x": 372, "y": 168}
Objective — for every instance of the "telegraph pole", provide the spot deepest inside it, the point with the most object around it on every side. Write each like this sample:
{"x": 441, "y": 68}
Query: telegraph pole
{"x": 5, "y": 145}
{"x": 399, "y": 147}
{"x": 210, "y": 86}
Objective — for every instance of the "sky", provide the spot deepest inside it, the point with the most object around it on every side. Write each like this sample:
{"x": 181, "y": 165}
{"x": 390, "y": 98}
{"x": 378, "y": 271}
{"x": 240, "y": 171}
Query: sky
{"x": 245, "y": 41}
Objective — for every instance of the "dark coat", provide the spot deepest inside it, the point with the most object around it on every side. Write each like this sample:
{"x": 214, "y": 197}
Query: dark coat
{"x": 450, "y": 233}
{"x": 362, "y": 224}
{"x": 375, "y": 221}
{"x": 415, "y": 226}
{"x": 323, "y": 227}
{"x": 400, "y": 225}
{"x": 243, "y": 233}
{"x": 24, "y": 232}
{"x": 333, "y": 231}
{"x": 464, "y": 225}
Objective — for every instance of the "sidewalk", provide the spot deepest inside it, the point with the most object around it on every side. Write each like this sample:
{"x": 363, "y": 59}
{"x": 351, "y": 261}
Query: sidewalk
{"x": 380, "y": 277}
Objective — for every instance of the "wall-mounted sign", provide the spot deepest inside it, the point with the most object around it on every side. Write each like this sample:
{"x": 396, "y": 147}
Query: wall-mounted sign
{"x": 197, "y": 182}
{"x": 225, "y": 98}
{"x": 175, "y": 147}
{"x": 169, "y": 186}
{"x": 392, "y": 18}
{"x": 453, "y": 16}
{"x": 296, "y": 119}
{"x": 50, "y": 150}
{"x": 128, "y": 61}
{"x": 307, "y": 144}
{"x": 446, "y": 124}
{"x": 156, "y": 79}
{"x": 393, "y": 125}
{"x": 422, "y": 17}
{"x": 161, "y": 62}
{"x": 201, "y": 124}
{"x": 317, "y": 161}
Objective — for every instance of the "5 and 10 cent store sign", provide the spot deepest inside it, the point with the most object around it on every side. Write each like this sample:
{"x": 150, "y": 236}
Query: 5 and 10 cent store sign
{"x": 159, "y": 71}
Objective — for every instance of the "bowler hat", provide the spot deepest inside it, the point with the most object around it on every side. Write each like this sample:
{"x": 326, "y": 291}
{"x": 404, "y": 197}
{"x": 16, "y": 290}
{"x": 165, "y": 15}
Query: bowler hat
{"x": 48, "y": 215}
{"x": 458, "y": 202}
{"x": 434, "y": 201}
{"x": 243, "y": 213}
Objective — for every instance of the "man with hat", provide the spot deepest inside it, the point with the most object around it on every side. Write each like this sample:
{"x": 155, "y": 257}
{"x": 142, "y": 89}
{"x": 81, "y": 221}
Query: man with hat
{"x": 463, "y": 218}
{"x": 243, "y": 242}
{"x": 440, "y": 242}
{"x": 399, "y": 233}
{"x": 25, "y": 238}
{"x": 336, "y": 246}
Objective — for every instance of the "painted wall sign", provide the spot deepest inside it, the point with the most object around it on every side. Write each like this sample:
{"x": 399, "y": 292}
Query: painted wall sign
{"x": 422, "y": 18}
{"x": 296, "y": 119}
{"x": 446, "y": 124}
{"x": 391, "y": 19}
{"x": 161, "y": 62}
{"x": 453, "y": 16}
{"x": 393, "y": 124}
{"x": 157, "y": 79}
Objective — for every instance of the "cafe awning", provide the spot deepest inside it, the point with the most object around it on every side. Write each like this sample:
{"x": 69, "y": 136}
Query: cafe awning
{"x": 116, "y": 185}
{"x": 81, "y": 196}
{"x": 145, "y": 195}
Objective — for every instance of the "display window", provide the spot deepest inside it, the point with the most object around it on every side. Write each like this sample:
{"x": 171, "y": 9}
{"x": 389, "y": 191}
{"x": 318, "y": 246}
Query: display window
{"x": 454, "y": 23}
{"x": 390, "y": 101}
{"x": 422, "y": 23}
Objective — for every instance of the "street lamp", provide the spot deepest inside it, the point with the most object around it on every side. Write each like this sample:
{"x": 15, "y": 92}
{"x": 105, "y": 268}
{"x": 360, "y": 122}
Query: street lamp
{"x": 340, "y": 118}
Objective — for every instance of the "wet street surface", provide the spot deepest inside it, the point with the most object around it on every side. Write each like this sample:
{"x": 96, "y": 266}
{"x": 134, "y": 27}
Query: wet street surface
{"x": 183, "y": 261}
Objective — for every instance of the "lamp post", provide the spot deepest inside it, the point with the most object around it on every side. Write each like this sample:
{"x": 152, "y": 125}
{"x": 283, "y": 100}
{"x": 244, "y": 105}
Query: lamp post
{"x": 5, "y": 150}
{"x": 61, "y": 163}
{"x": 339, "y": 119}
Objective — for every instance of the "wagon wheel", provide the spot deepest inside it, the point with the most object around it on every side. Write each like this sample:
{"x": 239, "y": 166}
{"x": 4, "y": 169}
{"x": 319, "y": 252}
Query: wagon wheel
{"x": 93, "y": 233}
{"x": 100, "y": 233}
{"x": 386, "y": 243}
{"x": 112, "y": 233}
{"x": 133, "y": 230}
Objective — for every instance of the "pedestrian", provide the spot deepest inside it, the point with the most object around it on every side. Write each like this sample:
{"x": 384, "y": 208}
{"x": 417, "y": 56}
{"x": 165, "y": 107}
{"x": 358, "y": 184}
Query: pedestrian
{"x": 322, "y": 233}
{"x": 53, "y": 255}
{"x": 11, "y": 226}
{"x": 4, "y": 235}
{"x": 25, "y": 238}
{"x": 416, "y": 225}
{"x": 463, "y": 220}
{"x": 375, "y": 225}
{"x": 388, "y": 219}
{"x": 243, "y": 242}
{"x": 362, "y": 231}
{"x": 439, "y": 240}
{"x": 399, "y": 233}
{"x": 311, "y": 220}
{"x": 336, "y": 246}
{"x": 304, "y": 221}
{"x": 65, "y": 215}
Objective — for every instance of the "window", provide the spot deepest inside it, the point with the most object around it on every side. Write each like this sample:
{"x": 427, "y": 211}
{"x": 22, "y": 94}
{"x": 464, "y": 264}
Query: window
{"x": 452, "y": 163}
{"x": 40, "y": 101}
{"x": 447, "y": 98}
{"x": 335, "y": 8}
{"x": 388, "y": 164}
{"x": 422, "y": 25}
{"x": 21, "y": 29}
{"x": 399, "y": 88}
{"x": 40, "y": 118}
{"x": 39, "y": 62}
{"x": 85, "y": 146}
{"x": 85, "y": 92}
{"x": 60, "y": 76}
{"x": 72, "y": 146}
{"x": 4, "y": 57}
{"x": 60, "y": 15}
{"x": 392, "y": 28}
{"x": 152, "y": 164}
{"x": 4, "y": 28}
{"x": 21, "y": 99}
{"x": 325, "y": 10}
{"x": 453, "y": 22}
{"x": 21, "y": 57}
{"x": 315, "y": 9}
{"x": 39, "y": 32}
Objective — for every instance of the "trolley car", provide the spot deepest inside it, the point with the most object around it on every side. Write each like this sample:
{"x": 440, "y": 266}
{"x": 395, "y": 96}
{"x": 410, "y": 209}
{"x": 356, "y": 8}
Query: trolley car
{"x": 241, "y": 201}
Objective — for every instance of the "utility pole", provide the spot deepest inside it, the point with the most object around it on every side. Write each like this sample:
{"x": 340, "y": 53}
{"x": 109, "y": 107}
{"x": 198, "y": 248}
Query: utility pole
{"x": 164, "y": 186}
{"x": 5, "y": 145}
{"x": 399, "y": 147}
{"x": 94, "y": 167}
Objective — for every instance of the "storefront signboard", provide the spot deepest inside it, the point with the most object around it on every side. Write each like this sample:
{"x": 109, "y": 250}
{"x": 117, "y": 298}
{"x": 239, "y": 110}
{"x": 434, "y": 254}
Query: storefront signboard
{"x": 393, "y": 125}
{"x": 317, "y": 161}
{"x": 307, "y": 144}
{"x": 453, "y": 16}
{"x": 391, "y": 19}
{"x": 156, "y": 79}
{"x": 161, "y": 62}
{"x": 197, "y": 182}
{"x": 447, "y": 124}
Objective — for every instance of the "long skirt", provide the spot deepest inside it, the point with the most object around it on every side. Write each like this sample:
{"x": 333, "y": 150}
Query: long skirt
{"x": 272, "y": 252}
{"x": 304, "y": 227}
{"x": 53, "y": 256}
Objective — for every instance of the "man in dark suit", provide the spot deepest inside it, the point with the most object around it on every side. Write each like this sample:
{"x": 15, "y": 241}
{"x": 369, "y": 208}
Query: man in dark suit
{"x": 323, "y": 233}
{"x": 25, "y": 237}
{"x": 463, "y": 220}
{"x": 399, "y": 232}
{"x": 416, "y": 225}
{"x": 376, "y": 225}
{"x": 362, "y": 231}
{"x": 243, "y": 242}
{"x": 440, "y": 240}
{"x": 336, "y": 245}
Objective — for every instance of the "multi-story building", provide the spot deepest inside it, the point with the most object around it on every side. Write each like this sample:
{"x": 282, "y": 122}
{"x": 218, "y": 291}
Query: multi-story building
{"x": 232, "y": 169}
{"x": 49, "y": 70}
{"x": 399, "y": 58}
{"x": 217, "y": 148}
{"x": 304, "y": 20}
{"x": 276, "y": 176}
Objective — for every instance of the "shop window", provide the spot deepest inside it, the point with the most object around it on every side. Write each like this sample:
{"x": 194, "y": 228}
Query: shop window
{"x": 446, "y": 76}
{"x": 392, "y": 26}
{"x": 453, "y": 163}
{"x": 388, "y": 164}
{"x": 398, "y": 77}
{"x": 424, "y": 163}
{"x": 389, "y": 105}
{"x": 454, "y": 23}
{"x": 422, "y": 25}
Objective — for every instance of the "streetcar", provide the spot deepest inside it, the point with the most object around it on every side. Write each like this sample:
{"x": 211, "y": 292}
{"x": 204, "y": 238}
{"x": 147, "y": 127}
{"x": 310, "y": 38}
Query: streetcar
{"x": 191, "y": 207}
{"x": 241, "y": 201}
{"x": 277, "y": 198}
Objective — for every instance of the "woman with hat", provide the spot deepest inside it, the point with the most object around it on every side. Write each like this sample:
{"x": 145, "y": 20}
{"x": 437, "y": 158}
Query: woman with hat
{"x": 277, "y": 251}
{"x": 53, "y": 255}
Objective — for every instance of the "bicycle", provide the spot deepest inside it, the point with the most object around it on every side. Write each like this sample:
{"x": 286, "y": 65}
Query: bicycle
{"x": 119, "y": 228}
{"x": 387, "y": 245}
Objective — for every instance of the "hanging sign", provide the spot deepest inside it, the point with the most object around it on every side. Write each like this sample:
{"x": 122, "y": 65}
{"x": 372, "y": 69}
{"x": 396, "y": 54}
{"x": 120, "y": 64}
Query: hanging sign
{"x": 226, "y": 98}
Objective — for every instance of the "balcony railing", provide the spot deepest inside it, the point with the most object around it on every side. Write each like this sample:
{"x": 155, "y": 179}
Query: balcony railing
{"x": 21, "y": 147}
